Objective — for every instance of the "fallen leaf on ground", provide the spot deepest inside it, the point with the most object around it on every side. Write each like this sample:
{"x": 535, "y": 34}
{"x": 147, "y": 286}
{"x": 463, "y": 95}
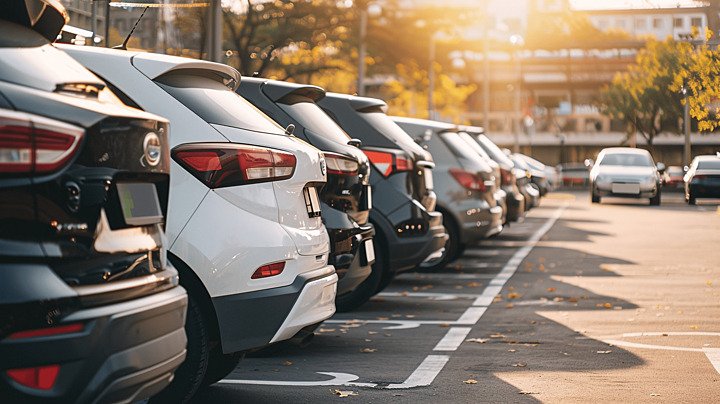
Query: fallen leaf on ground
{"x": 511, "y": 350}
{"x": 477, "y": 340}
{"x": 513, "y": 295}
{"x": 519, "y": 365}
{"x": 372, "y": 332}
{"x": 558, "y": 299}
{"x": 345, "y": 393}
{"x": 410, "y": 316}
{"x": 527, "y": 392}
{"x": 474, "y": 284}
{"x": 654, "y": 395}
{"x": 497, "y": 336}
{"x": 368, "y": 350}
{"x": 444, "y": 325}
{"x": 604, "y": 352}
{"x": 383, "y": 318}
{"x": 509, "y": 306}
{"x": 470, "y": 381}
{"x": 551, "y": 290}
{"x": 287, "y": 363}
{"x": 572, "y": 299}
{"x": 326, "y": 330}
{"x": 404, "y": 293}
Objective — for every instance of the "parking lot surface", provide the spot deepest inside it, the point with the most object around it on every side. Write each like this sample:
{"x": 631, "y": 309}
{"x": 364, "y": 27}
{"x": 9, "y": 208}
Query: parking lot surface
{"x": 615, "y": 302}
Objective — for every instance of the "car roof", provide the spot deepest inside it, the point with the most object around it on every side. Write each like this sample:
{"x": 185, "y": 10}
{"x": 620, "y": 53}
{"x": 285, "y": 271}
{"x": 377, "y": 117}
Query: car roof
{"x": 276, "y": 89}
{"x": 626, "y": 150}
{"x": 359, "y": 103}
{"x": 426, "y": 124}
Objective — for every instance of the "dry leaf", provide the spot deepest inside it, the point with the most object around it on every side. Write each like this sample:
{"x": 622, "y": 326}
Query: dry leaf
{"x": 368, "y": 350}
{"x": 527, "y": 392}
{"x": 404, "y": 293}
{"x": 478, "y": 340}
{"x": 509, "y": 306}
{"x": 372, "y": 332}
{"x": 604, "y": 352}
{"x": 511, "y": 350}
{"x": 513, "y": 295}
{"x": 519, "y": 365}
{"x": 326, "y": 330}
{"x": 654, "y": 395}
{"x": 551, "y": 290}
{"x": 572, "y": 299}
{"x": 345, "y": 393}
{"x": 497, "y": 336}
{"x": 287, "y": 363}
{"x": 444, "y": 325}
{"x": 470, "y": 381}
{"x": 474, "y": 284}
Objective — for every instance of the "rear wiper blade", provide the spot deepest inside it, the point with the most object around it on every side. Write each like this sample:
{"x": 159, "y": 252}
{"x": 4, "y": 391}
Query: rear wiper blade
{"x": 84, "y": 89}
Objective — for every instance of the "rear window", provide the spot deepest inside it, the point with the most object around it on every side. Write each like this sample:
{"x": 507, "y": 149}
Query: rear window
{"x": 310, "y": 116}
{"x": 474, "y": 145}
{"x": 215, "y": 103}
{"x": 709, "y": 165}
{"x": 385, "y": 125}
{"x": 460, "y": 148}
{"x": 675, "y": 171}
{"x": 494, "y": 151}
{"x": 626, "y": 160}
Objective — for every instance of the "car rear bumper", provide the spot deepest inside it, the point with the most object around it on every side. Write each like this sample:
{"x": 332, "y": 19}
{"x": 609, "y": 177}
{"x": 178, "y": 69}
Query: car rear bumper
{"x": 255, "y": 319}
{"x": 704, "y": 191}
{"x": 126, "y": 352}
{"x": 515, "y": 205}
{"x": 478, "y": 220}
{"x": 606, "y": 191}
{"x": 349, "y": 251}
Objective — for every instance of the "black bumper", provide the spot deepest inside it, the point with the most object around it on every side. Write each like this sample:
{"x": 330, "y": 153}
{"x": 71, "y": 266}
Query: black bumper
{"x": 515, "y": 204}
{"x": 125, "y": 351}
{"x": 407, "y": 252}
{"x": 352, "y": 267}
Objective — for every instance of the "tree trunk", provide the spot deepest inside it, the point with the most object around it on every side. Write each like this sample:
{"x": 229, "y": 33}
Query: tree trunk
{"x": 712, "y": 13}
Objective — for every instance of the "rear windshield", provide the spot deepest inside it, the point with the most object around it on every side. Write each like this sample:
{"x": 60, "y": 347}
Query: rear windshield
{"x": 709, "y": 164}
{"x": 626, "y": 160}
{"x": 310, "y": 116}
{"x": 474, "y": 145}
{"x": 215, "y": 103}
{"x": 460, "y": 148}
{"x": 388, "y": 128}
{"x": 675, "y": 171}
{"x": 494, "y": 151}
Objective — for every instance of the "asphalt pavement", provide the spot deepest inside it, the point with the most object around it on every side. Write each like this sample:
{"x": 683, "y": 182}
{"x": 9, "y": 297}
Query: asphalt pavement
{"x": 617, "y": 302}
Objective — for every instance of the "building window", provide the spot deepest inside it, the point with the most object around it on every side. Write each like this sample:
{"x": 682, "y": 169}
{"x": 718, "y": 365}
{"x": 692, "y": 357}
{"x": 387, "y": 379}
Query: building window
{"x": 620, "y": 23}
{"x": 657, "y": 23}
{"x": 603, "y": 24}
{"x": 696, "y": 22}
{"x": 640, "y": 23}
{"x": 678, "y": 22}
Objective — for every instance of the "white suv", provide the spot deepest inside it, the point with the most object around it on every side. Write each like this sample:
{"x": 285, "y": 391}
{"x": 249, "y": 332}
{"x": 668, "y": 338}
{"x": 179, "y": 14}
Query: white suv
{"x": 244, "y": 220}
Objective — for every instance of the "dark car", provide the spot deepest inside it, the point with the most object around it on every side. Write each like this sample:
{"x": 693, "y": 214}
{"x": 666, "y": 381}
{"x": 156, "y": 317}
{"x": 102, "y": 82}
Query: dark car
{"x": 346, "y": 197}
{"x": 702, "y": 179}
{"x": 524, "y": 181}
{"x": 464, "y": 184}
{"x": 90, "y": 310}
{"x": 515, "y": 199}
{"x": 673, "y": 178}
{"x": 409, "y": 232}
{"x": 575, "y": 174}
{"x": 538, "y": 173}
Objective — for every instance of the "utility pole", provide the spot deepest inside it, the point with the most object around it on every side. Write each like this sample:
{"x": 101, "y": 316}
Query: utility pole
{"x": 687, "y": 152}
{"x": 107, "y": 24}
{"x": 362, "y": 50}
{"x": 431, "y": 79}
{"x": 93, "y": 22}
{"x": 214, "y": 34}
{"x": 486, "y": 71}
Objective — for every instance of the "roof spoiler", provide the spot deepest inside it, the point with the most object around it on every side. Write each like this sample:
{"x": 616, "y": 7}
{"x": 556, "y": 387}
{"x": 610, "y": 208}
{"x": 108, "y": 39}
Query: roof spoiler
{"x": 46, "y": 17}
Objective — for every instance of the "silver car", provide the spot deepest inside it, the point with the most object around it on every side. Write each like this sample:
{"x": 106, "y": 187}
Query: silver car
{"x": 626, "y": 172}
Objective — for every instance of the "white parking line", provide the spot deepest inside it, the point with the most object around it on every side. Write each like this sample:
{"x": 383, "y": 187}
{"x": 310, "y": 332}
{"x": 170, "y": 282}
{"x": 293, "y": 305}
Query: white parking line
{"x": 713, "y": 355}
{"x": 452, "y": 340}
{"x": 424, "y": 374}
{"x": 445, "y": 276}
{"x": 430, "y": 295}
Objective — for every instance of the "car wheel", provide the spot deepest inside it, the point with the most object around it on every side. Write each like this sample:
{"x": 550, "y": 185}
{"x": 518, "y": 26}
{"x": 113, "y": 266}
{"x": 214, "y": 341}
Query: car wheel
{"x": 691, "y": 199}
{"x": 189, "y": 376}
{"x": 594, "y": 198}
{"x": 369, "y": 287}
{"x": 655, "y": 200}
{"x": 453, "y": 248}
{"x": 220, "y": 365}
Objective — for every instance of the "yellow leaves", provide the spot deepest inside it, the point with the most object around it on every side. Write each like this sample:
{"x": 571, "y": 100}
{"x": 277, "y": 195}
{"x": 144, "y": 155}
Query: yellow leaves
{"x": 470, "y": 381}
{"x": 345, "y": 393}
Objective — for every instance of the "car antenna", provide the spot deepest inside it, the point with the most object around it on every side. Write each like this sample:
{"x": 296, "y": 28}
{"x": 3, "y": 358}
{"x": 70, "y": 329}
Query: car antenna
{"x": 123, "y": 46}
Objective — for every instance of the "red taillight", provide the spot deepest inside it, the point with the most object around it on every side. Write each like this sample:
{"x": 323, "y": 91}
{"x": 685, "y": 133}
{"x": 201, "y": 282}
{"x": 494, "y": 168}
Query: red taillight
{"x": 225, "y": 165}
{"x": 341, "y": 165}
{"x": 389, "y": 163}
{"x": 32, "y": 144}
{"x": 269, "y": 270}
{"x": 506, "y": 177}
{"x": 41, "y": 377}
{"x": 468, "y": 180}
{"x": 47, "y": 332}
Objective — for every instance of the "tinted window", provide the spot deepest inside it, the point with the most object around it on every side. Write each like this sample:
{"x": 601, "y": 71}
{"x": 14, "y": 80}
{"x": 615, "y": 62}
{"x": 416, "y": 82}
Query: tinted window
{"x": 310, "y": 116}
{"x": 709, "y": 165}
{"x": 494, "y": 151}
{"x": 474, "y": 145}
{"x": 461, "y": 149}
{"x": 383, "y": 124}
{"x": 626, "y": 159}
{"x": 215, "y": 103}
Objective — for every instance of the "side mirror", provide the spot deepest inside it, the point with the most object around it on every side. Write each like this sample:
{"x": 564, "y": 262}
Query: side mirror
{"x": 660, "y": 167}
{"x": 355, "y": 142}
{"x": 589, "y": 163}
{"x": 686, "y": 169}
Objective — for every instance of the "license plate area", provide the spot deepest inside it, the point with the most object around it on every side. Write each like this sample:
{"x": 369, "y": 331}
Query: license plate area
{"x": 139, "y": 203}
{"x": 626, "y": 188}
{"x": 312, "y": 201}
{"x": 427, "y": 172}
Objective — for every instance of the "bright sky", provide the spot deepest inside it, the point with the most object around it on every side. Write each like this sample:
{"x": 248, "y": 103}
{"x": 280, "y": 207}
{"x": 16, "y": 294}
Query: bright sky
{"x": 615, "y": 4}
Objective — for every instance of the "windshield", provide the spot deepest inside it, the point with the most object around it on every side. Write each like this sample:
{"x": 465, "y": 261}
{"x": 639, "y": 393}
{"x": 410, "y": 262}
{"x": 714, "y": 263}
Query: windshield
{"x": 311, "y": 117}
{"x": 626, "y": 160}
{"x": 215, "y": 103}
{"x": 494, "y": 151}
{"x": 461, "y": 149}
{"x": 709, "y": 165}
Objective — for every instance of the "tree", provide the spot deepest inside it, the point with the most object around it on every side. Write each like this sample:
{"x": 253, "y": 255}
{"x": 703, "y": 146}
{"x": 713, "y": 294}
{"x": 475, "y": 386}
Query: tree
{"x": 645, "y": 97}
{"x": 701, "y": 78}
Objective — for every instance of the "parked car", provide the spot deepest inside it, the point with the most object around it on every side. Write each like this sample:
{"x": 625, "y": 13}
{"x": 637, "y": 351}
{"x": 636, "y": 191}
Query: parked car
{"x": 515, "y": 199}
{"x": 523, "y": 175}
{"x": 464, "y": 184}
{"x": 574, "y": 174}
{"x": 90, "y": 309}
{"x": 409, "y": 231}
{"x": 625, "y": 172}
{"x": 538, "y": 173}
{"x": 554, "y": 177}
{"x": 346, "y": 199}
{"x": 702, "y": 179}
{"x": 244, "y": 218}
{"x": 673, "y": 178}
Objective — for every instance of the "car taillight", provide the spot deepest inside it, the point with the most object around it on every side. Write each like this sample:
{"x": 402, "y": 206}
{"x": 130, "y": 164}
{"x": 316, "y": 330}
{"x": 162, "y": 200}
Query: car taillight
{"x": 468, "y": 180}
{"x": 40, "y": 377}
{"x": 506, "y": 177}
{"x": 47, "y": 332}
{"x": 389, "y": 163}
{"x": 220, "y": 165}
{"x": 31, "y": 144}
{"x": 268, "y": 270}
{"x": 341, "y": 165}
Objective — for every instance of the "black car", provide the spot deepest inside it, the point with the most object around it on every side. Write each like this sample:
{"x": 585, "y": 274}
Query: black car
{"x": 346, "y": 197}
{"x": 409, "y": 232}
{"x": 524, "y": 181}
{"x": 90, "y": 310}
{"x": 515, "y": 199}
{"x": 702, "y": 179}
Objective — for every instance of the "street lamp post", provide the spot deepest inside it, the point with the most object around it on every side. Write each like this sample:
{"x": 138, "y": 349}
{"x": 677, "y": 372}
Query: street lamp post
{"x": 687, "y": 152}
{"x": 517, "y": 41}
{"x": 431, "y": 79}
{"x": 369, "y": 10}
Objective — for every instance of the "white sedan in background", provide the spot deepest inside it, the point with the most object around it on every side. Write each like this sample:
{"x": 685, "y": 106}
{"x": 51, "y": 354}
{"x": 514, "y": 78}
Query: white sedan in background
{"x": 626, "y": 172}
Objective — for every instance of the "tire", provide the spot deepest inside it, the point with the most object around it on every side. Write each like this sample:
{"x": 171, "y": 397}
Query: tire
{"x": 453, "y": 248}
{"x": 370, "y": 286}
{"x": 594, "y": 198}
{"x": 191, "y": 373}
{"x": 691, "y": 200}
{"x": 220, "y": 365}
{"x": 655, "y": 201}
